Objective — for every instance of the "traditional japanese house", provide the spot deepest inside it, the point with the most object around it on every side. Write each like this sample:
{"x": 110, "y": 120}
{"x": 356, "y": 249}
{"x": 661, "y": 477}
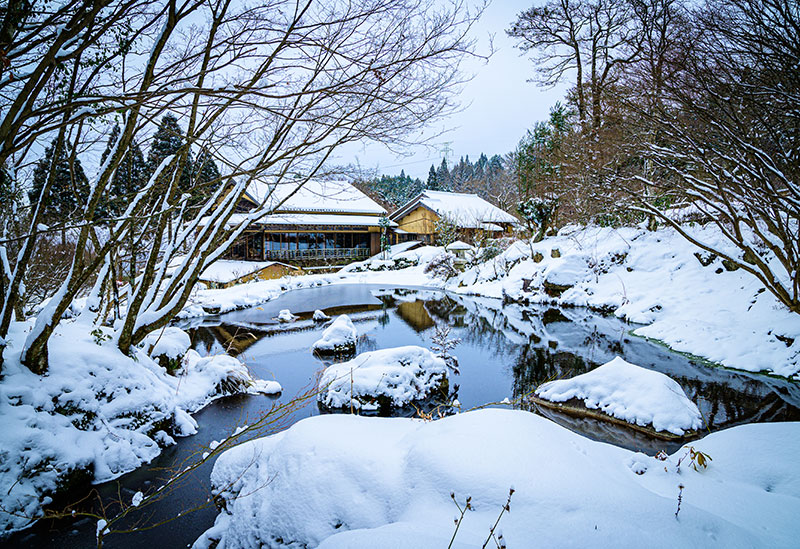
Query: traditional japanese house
{"x": 469, "y": 212}
{"x": 322, "y": 222}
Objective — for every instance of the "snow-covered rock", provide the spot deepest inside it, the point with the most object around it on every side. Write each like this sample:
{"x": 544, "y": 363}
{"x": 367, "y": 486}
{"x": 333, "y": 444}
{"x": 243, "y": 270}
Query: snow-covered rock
{"x": 336, "y": 481}
{"x": 338, "y": 338}
{"x": 320, "y": 316}
{"x": 630, "y": 393}
{"x": 396, "y": 377}
{"x": 285, "y": 315}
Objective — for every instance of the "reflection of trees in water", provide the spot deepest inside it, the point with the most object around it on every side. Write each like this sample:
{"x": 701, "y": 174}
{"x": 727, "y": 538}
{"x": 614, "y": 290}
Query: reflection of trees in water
{"x": 725, "y": 406}
{"x": 537, "y": 364}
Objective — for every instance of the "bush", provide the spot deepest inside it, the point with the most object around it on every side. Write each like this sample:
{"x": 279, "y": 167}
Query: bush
{"x": 442, "y": 266}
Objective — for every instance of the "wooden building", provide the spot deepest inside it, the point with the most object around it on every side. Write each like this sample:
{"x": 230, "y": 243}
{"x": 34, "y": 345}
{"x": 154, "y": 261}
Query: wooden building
{"x": 322, "y": 222}
{"x": 472, "y": 214}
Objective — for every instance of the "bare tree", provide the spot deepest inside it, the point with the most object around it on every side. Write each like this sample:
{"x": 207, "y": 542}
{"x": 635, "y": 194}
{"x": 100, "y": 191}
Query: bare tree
{"x": 731, "y": 137}
{"x": 270, "y": 90}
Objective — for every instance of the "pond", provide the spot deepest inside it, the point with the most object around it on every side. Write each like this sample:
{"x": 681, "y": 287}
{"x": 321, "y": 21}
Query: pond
{"x": 505, "y": 351}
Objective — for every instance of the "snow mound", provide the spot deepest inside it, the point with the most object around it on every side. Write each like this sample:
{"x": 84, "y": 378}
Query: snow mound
{"x": 631, "y": 393}
{"x": 339, "y": 337}
{"x": 397, "y": 376}
{"x": 171, "y": 342}
{"x": 285, "y": 315}
{"x": 320, "y": 316}
{"x": 344, "y": 480}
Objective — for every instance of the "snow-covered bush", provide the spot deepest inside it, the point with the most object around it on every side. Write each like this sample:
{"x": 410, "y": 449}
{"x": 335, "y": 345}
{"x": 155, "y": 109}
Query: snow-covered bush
{"x": 442, "y": 266}
{"x": 386, "y": 378}
{"x": 337, "y": 339}
{"x": 167, "y": 347}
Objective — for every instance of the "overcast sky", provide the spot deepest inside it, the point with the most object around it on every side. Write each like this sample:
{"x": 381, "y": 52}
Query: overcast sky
{"x": 499, "y": 105}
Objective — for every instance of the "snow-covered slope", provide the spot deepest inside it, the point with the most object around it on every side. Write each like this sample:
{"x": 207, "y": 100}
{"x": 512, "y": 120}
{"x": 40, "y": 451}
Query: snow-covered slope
{"x": 348, "y": 481}
{"x": 652, "y": 278}
{"x": 97, "y": 413}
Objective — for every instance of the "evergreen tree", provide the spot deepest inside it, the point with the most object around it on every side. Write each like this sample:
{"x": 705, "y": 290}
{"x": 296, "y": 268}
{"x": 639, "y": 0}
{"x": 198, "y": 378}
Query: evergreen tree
{"x": 168, "y": 140}
{"x": 432, "y": 184}
{"x": 205, "y": 177}
{"x": 130, "y": 176}
{"x": 443, "y": 182}
{"x": 69, "y": 188}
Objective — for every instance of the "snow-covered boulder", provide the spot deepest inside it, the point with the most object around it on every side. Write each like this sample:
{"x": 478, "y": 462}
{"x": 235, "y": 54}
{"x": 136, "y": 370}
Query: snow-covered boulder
{"x": 168, "y": 346}
{"x": 320, "y": 316}
{"x": 630, "y": 393}
{"x": 338, "y": 339}
{"x": 393, "y": 377}
{"x": 344, "y": 480}
{"x": 285, "y": 315}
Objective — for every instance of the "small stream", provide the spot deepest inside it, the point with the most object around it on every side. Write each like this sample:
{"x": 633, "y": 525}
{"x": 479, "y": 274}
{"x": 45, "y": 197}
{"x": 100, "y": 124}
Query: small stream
{"x": 505, "y": 351}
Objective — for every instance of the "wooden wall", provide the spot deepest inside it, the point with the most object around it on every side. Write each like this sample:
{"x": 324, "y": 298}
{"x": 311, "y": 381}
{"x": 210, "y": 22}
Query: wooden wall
{"x": 419, "y": 221}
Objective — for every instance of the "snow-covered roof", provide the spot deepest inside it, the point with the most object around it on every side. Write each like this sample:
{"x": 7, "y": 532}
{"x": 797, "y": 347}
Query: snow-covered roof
{"x": 314, "y": 196}
{"x": 469, "y": 211}
{"x": 313, "y": 219}
{"x": 226, "y": 270}
{"x": 458, "y": 245}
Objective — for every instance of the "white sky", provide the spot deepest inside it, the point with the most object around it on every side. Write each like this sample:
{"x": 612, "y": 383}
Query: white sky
{"x": 499, "y": 105}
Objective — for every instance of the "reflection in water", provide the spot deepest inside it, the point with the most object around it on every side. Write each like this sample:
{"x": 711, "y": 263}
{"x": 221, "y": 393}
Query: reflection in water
{"x": 544, "y": 344}
{"x": 505, "y": 351}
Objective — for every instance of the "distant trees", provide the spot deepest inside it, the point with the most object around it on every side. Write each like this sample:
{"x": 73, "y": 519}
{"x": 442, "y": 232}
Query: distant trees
{"x": 59, "y": 184}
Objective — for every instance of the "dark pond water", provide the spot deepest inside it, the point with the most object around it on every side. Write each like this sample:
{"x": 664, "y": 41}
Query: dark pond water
{"x": 505, "y": 351}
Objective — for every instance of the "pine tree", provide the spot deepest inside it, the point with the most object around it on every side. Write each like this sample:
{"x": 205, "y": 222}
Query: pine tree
{"x": 130, "y": 176}
{"x": 205, "y": 177}
{"x": 433, "y": 184}
{"x": 168, "y": 140}
{"x": 443, "y": 177}
{"x": 68, "y": 190}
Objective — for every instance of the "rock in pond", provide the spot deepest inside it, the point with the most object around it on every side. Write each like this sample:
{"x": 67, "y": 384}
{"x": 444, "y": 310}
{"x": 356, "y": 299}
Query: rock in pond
{"x": 339, "y": 338}
{"x": 625, "y": 394}
{"x": 388, "y": 378}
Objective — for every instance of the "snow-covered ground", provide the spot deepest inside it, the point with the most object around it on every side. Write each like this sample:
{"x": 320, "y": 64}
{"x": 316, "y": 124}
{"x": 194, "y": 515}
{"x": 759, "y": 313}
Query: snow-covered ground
{"x": 630, "y": 393}
{"x": 652, "y": 278}
{"x": 348, "y": 481}
{"x": 401, "y": 376}
{"x": 97, "y": 413}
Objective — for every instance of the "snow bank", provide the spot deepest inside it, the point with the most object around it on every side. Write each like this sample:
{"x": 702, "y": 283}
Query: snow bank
{"x": 399, "y": 376}
{"x": 349, "y": 481}
{"x": 653, "y": 278}
{"x": 97, "y": 413}
{"x": 631, "y": 393}
{"x": 339, "y": 337}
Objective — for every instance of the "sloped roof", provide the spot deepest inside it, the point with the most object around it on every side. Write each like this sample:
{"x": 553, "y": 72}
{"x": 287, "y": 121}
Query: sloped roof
{"x": 469, "y": 211}
{"x": 314, "y": 196}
